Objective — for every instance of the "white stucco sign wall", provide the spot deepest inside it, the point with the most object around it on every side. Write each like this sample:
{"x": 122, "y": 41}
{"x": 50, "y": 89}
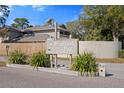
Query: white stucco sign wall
{"x": 100, "y": 49}
{"x": 67, "y": 46}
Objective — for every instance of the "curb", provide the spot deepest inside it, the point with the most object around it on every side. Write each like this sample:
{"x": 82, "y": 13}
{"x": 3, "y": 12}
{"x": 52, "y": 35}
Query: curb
{"x": 50, "y": 70}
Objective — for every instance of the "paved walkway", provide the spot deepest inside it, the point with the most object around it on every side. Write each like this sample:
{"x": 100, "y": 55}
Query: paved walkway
{"x": 24, "y": 78}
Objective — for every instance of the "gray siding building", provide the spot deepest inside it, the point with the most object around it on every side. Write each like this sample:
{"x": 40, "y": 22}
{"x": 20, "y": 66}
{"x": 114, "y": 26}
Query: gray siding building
{"x": 42, "y": 33}
{"x": 12, "y": 34}
{"x": 37, "y": 33}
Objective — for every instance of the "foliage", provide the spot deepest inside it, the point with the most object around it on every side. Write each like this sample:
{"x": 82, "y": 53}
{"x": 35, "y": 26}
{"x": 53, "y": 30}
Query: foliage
{"x": 93, "y": 35}
{"x": 121, "y": 53}
{"x": 20, "y": 23}
{"x": 50, "y": 22}
{"x": 17, "y": 57}
{"x": 85, "y": 63}
{"x": 98, "y": 35}
{"x": 3, "y": 32}
{"x": 63, "y": 26}
{"x": 76, "y": 29}
{"x": 104, "y": 18}
{"x": 4, "y": 13}
{"x": 40, "y": 60}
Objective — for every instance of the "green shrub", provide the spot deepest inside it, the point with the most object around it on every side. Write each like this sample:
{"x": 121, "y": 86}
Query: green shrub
{"x": 17, "y": 57}
{"x": 85, "y": 63}
{"x": 40, "y": 60}
{"x": 121, "y": 53}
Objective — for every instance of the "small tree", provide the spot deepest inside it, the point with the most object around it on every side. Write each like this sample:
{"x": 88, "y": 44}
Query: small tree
{"x": 20, "y": 23}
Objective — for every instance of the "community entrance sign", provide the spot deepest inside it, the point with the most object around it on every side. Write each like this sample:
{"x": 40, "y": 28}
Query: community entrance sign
{"x": 66, "y": 46}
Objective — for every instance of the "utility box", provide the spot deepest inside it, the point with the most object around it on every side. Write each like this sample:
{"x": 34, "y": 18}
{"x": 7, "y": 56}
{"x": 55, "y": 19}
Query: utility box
{"x": 101, "y": 69}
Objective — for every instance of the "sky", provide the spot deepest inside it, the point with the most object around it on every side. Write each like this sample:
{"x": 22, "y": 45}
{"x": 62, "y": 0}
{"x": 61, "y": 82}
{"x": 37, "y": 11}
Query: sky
{"x": 39, "y": 14}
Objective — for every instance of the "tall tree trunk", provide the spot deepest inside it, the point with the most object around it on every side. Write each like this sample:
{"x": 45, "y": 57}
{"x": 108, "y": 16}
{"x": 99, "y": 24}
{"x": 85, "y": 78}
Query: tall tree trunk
{"x": 115, "y": 38}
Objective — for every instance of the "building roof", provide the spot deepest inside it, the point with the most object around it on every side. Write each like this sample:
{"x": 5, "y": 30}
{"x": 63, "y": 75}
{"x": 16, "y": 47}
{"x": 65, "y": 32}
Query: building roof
{"x": 34, "y": 38}
{"x": 12, "y": 29}
{"x": 44, "y": 27}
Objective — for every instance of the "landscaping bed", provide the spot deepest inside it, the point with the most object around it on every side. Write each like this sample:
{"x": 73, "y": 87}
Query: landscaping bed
{"x": 83, "y": 64}
{"x": 2, "y": 64}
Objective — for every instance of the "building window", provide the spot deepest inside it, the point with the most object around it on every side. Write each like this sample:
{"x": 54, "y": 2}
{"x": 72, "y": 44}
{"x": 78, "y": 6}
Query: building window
{"x": 66, "y": 33}
{"x": 61, "y": 32}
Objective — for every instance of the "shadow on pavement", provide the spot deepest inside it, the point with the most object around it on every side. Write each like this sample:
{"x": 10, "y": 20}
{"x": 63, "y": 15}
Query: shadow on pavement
{"x": 108, "y": 75}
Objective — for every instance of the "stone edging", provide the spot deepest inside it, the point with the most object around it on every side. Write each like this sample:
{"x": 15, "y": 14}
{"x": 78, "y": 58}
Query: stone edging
{"x": 51, "y": 70}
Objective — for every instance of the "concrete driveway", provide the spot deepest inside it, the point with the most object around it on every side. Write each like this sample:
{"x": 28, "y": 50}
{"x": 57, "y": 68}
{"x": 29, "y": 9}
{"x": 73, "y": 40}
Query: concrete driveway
{"x": 27, "y": 78}
{"x": 116, "y": 70}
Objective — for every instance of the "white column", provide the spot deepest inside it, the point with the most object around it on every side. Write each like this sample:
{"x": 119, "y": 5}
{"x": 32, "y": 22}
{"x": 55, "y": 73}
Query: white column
{"x": 55, "y": 25}
{"x": 58, "y": 34}
{"x": 55, "y": 60}
{"x": 70, "y": 36}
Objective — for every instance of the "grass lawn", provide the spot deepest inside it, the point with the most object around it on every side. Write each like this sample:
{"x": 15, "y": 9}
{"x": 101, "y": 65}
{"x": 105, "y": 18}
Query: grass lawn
{"x": 105, "y": 60}
{"x": 110, "y": 60}
{"x": 2, "y": 64}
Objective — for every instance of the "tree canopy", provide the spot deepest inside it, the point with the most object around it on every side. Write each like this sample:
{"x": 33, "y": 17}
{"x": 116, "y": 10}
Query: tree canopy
{"x": 100, "y": 19}
{"x": 50, "y": 21}
{"x": 4, "y": 13}
{"x": 76, "y": 29}
{"x": 20, "y": 23}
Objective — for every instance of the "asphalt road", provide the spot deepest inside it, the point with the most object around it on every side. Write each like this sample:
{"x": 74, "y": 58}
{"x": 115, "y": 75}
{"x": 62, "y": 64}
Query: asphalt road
{"x": 27, "y": 78}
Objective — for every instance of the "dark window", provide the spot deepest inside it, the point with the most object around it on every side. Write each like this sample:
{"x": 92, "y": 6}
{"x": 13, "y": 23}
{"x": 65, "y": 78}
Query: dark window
{"x": 61, "y": 32}
{"x": 66, "y": 33}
